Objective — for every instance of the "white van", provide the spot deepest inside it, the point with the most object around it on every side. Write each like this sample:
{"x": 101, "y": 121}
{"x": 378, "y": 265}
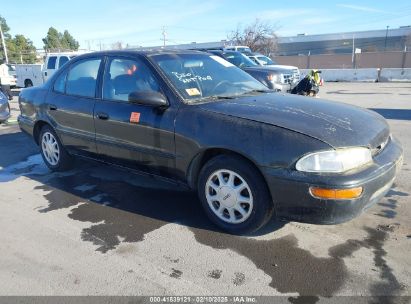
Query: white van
{"x": 29, "y": 75}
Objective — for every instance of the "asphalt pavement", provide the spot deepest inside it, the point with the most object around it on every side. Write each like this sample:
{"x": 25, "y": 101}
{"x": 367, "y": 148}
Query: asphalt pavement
{"x": 99, "y": 230}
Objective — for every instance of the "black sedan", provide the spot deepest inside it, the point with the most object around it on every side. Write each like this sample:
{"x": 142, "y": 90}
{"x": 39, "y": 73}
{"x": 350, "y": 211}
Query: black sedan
{"x": 4, "y": 108}
{"x": 199, "y": 121}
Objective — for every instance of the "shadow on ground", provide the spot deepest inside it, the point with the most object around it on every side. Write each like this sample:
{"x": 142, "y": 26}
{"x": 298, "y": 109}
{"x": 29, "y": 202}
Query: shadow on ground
{"x": 400, "y": 114}
{"x": 123, "y": 207}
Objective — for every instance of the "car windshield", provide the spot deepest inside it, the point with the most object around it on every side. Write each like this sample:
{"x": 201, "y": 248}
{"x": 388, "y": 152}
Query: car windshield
{"x": 266, "y": 60}
{"x": 201, "y": 77}
{"x": 239, "y": 59}
{"x": 244, "y": 49}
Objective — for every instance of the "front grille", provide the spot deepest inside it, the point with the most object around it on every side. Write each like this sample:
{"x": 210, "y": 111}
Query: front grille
{"x": 288, "y": 78}
{"x": 296, "y": 75}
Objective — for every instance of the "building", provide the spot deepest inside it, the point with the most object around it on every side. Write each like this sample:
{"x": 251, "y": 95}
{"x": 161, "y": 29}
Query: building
{"x": 338, "y": 43}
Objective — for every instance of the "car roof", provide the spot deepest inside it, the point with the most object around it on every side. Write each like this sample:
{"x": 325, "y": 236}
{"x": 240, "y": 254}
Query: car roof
{"x": 146, "y": 52}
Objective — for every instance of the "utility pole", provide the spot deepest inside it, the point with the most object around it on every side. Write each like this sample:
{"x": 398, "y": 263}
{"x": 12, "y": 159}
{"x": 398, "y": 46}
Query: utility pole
{"x": 164, "y": 33}
{"x": 4, "y": 45}
{"x": 386, "y": 36}
{"x": 353, "y": 52}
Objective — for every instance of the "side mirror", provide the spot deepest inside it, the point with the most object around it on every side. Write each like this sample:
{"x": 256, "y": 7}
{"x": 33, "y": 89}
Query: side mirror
{"x": 149, "y": 98}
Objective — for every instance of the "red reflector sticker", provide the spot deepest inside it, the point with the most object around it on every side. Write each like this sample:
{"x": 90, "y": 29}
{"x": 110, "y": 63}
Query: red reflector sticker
{"x": 135, "y": 117}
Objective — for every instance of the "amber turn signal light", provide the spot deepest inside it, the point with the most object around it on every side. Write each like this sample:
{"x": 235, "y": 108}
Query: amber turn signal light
{"x": 323, "y": 193}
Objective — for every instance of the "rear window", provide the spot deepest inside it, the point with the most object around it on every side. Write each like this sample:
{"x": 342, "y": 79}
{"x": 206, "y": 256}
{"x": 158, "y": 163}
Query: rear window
{"x": 63, "y": 60}
{"x": 60, "y": 83}
{"x": 82, "y": 78}
{"x": 51, "y": 63}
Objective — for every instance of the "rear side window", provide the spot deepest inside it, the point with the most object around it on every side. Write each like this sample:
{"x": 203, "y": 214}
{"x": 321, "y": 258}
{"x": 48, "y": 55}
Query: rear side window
{"x": 63, "y": 60}
{"x": 82, "y": 78}
{"x": 60, "y": 82}
{"x": 51, "y": 63}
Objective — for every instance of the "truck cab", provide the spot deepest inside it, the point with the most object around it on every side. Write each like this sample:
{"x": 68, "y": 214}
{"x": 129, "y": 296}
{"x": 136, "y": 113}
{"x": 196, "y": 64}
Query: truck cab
{"x": 262, "y": 60}
{"x": 29, "y": 75}
{"x": 53, "y": 62}
{"x": 275, "y": 78}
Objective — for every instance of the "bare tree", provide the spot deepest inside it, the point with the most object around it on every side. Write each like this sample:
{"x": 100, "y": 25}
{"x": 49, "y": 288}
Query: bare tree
{"x": 117, "y": 45}
{"x": 259, "y": 36}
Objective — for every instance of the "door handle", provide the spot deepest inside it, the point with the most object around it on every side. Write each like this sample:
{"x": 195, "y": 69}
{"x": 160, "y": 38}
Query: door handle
{"x": 103, "y": 116}
{"x": 52, "y": 107}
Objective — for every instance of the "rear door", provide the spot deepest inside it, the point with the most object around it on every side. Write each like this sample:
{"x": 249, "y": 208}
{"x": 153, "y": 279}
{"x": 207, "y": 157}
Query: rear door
{"x": 70, "y": 104}
{"x": 134, "y": 135}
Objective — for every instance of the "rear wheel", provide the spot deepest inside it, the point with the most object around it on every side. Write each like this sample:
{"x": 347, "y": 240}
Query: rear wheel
{"x": 54, "y": 154}
{"x": 234, "y": 194}
{"x": 28, "y": 83}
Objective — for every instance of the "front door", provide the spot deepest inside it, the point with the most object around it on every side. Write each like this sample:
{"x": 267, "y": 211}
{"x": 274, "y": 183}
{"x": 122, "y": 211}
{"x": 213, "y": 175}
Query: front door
{"x": 137, "y": 136}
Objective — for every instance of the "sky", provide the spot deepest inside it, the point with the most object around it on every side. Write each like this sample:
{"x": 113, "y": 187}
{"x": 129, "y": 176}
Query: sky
{"x": 140, "y": 23}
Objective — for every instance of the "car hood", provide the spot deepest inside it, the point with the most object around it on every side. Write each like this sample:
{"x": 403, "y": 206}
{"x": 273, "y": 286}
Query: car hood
{"x": 337, "y": 124}
{"x": 288, "y": 67}
{"x": 267, "y": 69}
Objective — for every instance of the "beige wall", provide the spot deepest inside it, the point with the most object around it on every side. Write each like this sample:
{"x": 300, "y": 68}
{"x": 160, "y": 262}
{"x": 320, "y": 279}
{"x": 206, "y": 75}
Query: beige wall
{"x": 344, "y": 61}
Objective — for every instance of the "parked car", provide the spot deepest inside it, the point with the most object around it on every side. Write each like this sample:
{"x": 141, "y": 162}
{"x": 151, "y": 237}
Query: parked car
{"x": 4, "y": 108}
{"x": 239, "y": 48}
{"x": 12, "y": 73}
{"x": 29, "y": 75}
{"x": 267, "y": 61}
{"x": 275, "y": 78}
{"x": 10, "y": 78}
{"x": 199, "y": 121}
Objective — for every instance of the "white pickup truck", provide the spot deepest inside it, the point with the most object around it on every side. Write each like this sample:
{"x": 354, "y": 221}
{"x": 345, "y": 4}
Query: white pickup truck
{"x": 29, "y": 75}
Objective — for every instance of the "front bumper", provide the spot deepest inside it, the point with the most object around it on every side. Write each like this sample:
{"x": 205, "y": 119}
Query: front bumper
{"x": 278, "y": 87}
{"x": 4, "y": 116}
{"x": 4, "y": 112}
{"x": 292, "y": 200}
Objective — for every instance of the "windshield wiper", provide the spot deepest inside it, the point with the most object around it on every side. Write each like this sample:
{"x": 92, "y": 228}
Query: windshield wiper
{"x": 257, "y": 91}
{"x": 215, "y": 97}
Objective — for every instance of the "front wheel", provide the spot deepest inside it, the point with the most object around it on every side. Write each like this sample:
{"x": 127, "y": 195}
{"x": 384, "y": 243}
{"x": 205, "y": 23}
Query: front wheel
{"x": 54, "y": 154}
{"x": 234, "y": 195}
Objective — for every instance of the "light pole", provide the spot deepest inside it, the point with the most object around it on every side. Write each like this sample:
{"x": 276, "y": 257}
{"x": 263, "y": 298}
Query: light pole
{"x": 4, "y": 45}
{"x": 386, "y": 36}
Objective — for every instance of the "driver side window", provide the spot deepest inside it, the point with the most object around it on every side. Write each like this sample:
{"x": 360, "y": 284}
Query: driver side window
{"x": 125, "y": 76}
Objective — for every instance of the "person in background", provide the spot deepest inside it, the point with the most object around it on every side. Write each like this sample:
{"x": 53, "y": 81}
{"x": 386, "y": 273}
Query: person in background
{"x": 5, "y": 79}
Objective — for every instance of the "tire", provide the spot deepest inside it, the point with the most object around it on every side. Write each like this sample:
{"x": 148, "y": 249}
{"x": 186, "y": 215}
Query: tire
{"x": 53, "y": 152}
{"x": 238, "y": 211}
{"x": 28, "y": 83}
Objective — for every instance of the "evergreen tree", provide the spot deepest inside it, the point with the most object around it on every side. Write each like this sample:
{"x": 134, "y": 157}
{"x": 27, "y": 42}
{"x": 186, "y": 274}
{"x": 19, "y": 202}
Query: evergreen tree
{"x": 56, "y": 41}
{"x": 71, "y": 42}
{"x": 52, "y": 40}
{"x": 19, "y": 49}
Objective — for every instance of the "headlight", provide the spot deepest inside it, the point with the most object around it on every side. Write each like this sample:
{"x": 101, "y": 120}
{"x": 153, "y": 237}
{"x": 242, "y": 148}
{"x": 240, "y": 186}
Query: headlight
{"x": 274, "y": 78}
{"x": 335, "y": 161}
